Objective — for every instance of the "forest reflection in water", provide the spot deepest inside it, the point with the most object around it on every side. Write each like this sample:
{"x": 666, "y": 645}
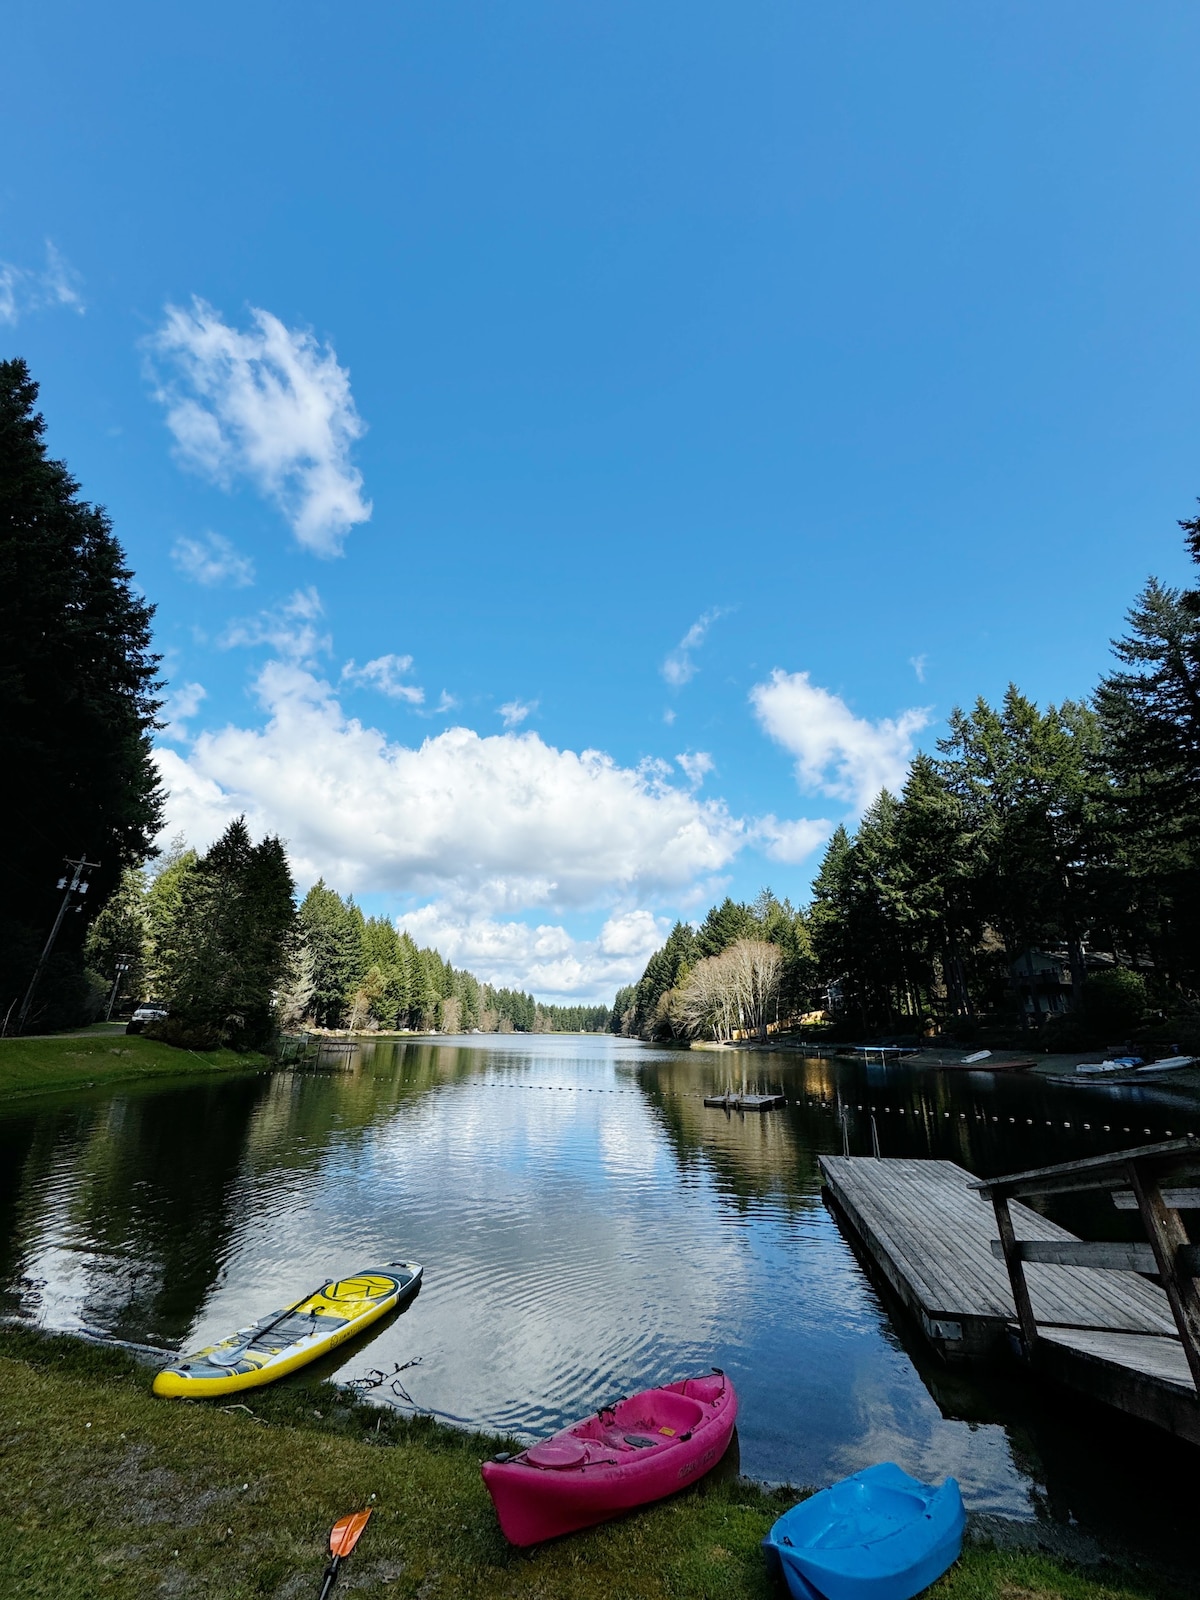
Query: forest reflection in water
{"x": 588, "y": 1227}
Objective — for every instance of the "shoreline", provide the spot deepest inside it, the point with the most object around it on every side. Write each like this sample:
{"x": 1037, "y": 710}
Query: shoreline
{"x": 192, "y": 1498}
{"x": 31, "y": 1066}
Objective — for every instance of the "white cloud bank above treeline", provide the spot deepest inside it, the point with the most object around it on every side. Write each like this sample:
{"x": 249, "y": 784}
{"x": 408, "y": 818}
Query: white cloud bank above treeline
{"x": 504, "y": 817}
{"x": 499, "y": 834}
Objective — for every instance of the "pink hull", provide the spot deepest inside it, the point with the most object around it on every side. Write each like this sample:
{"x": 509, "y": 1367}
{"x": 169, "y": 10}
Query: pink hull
{"x": 637, "y": 1451}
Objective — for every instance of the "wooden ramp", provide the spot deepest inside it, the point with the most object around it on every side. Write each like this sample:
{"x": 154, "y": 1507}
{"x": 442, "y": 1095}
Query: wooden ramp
{"x": 930, "y": 1232}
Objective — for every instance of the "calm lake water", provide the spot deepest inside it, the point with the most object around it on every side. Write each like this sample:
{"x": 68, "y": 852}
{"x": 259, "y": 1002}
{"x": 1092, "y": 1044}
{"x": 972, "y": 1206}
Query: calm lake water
{"x": 588, "y": 1228}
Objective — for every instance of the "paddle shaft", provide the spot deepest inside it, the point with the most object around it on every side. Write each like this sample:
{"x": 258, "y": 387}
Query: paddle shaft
{"x": 331, "y": 1572}
{"x": 232, "y": 1361}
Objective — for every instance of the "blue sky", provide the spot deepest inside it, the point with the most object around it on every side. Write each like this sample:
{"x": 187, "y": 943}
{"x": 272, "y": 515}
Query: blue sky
{"x": 477, "y": 387}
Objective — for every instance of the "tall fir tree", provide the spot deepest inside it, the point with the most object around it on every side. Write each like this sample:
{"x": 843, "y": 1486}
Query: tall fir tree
{"x": 78, "y": 687}
{"x": 231, "y": 943}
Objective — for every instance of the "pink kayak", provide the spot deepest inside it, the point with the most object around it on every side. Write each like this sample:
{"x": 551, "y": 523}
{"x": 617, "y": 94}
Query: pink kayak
{"x": 624, "y": 1456}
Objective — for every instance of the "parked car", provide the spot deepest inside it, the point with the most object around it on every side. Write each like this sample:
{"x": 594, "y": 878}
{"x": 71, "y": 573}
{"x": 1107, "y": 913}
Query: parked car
{"x": 143, "y": 1015}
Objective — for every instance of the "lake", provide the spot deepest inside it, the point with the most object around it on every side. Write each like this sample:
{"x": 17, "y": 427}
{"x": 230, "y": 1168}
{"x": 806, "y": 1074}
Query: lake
{"x": 588, "y": 1228}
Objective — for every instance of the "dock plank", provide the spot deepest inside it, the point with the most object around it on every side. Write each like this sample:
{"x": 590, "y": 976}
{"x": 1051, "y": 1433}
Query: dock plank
{"x": 1158, "y": 1358}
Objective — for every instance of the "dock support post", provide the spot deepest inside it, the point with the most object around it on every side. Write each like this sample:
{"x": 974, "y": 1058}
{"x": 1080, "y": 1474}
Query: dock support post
{"x": 1166, "y": 1232}
{"x": 1016, "y": 1272}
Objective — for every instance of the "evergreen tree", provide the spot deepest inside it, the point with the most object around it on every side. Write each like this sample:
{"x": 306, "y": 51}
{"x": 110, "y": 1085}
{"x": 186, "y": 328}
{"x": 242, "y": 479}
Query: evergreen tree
{"x": 332, "y": 931}
{"x": 725, "y": 925}
{"x": 1150, "y": 719}
{"x": 77, "y": 683}
{"x": 939, "y": 862}
{"x": 231, "y": 945}
{"x": 1027, "y": 783}
{"x": 164, "y": 902}
{"x": 120, "y": 936}
{"x": 667, "y": 969}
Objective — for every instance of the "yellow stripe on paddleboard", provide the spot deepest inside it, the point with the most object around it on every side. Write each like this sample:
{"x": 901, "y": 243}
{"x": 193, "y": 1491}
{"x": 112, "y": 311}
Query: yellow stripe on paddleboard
{"x": 354, "y": 1302}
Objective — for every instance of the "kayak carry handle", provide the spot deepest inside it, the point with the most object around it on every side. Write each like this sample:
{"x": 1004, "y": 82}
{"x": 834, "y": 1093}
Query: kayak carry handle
{"x": 505, "y": 1455}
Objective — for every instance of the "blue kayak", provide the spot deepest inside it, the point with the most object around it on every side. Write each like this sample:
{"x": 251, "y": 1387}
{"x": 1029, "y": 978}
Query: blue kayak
{"x": 879, "y": 1535}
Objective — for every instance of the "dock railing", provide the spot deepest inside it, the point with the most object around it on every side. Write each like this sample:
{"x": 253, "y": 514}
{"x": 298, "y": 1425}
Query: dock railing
{"x": 1157, "y": 1180}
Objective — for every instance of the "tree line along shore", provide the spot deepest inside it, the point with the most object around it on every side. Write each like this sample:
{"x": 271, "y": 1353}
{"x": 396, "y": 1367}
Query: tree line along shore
{"x": 1035, "y": 881}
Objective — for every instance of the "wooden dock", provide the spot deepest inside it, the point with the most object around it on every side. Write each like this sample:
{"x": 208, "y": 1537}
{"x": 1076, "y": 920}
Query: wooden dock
{"x": 932, "y": 1233}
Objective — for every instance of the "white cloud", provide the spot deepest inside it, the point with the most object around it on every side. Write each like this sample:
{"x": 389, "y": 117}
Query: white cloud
{"x": 837, "y": 754}
{"x": 270, "y": 405}
{"x": 917, "y": 663}
{"x": 386, "y": 673}
{"x": 23, "y": 290}
{"x": 791, "y": 842}
{"x": 679, "y": 668}
{"x": 212, "y": 560}
{"x": 180, "y": 707}
{"x": 546, "y": 959}
{"x": 507, "y": 819}
{"x": 290, "y": 629}
{"x": 695, "y": 765}
{"x": 514, "y": 712}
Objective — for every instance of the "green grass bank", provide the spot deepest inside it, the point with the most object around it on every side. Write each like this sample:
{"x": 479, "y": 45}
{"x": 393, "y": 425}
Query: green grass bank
{"x": 93, "y": 1058}
{"x": 110, "y": 1494}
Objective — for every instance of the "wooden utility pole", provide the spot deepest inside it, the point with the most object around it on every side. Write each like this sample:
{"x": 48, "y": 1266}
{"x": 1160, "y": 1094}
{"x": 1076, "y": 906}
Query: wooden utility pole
{"x": 76, "y": 884}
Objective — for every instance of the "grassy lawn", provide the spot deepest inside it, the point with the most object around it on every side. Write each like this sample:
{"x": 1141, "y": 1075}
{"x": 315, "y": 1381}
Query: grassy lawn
{"x": 107, "y": 1492}
{"x": 91, "y": 1057}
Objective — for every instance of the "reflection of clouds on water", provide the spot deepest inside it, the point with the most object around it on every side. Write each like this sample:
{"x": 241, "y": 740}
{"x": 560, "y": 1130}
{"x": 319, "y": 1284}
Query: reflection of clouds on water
{"x": 929, "y": 1447}
{"x": 587, "y": 1227}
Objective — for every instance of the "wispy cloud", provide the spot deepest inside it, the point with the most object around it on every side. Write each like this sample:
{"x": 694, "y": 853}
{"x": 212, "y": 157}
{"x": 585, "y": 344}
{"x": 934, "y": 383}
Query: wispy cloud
{"x": 289, "y": 629}
{"x": 792, "y": 842}
{"x": 212, "y": 560}
{"x": 679, "y": 667}
{"x": 181, "y": 706}
{"x": 837, "y": 754}
{"x": 696, "y": 765}
{"x": 917, "y": 663}
{"x": 270, "y": 405}
{"x": 514, "y": 712}
{"x": 387, "y": 674}
{"x": 24, "y": 290}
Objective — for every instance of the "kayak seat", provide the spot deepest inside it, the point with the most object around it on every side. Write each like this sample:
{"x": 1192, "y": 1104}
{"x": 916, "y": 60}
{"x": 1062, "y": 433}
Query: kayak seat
{"x": 658, "y": 1412}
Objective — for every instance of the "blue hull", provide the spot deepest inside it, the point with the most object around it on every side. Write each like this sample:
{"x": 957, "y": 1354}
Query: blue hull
{"x": 879, "y": 1535}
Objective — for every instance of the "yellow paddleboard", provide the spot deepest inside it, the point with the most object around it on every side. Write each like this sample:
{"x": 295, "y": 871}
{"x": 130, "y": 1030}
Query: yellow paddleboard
{"x": 279, "y": 1343}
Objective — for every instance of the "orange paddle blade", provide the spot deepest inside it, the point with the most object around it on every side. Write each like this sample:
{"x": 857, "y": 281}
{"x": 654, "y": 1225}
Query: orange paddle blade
{"x": 347, "y": 1533}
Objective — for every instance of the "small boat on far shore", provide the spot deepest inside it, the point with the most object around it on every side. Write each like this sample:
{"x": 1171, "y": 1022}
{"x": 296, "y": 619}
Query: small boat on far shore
{"x": 878, "y": 1535}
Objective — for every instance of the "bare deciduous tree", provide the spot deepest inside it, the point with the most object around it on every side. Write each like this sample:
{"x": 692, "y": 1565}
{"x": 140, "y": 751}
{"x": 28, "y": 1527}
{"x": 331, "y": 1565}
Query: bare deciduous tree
{"x": 731, "y": 992}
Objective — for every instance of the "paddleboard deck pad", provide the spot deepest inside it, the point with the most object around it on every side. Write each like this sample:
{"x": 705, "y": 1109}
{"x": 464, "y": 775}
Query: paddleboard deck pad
{"x": 284, "y": 1340}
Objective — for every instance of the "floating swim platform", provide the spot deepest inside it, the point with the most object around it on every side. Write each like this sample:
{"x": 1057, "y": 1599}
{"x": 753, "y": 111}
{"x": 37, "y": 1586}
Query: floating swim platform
{"x": 622, "y": 1456}
{"x": 282, "y": 1341}
{"x": 878, "y": 1535}
{"x": 745, "y": 1102}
